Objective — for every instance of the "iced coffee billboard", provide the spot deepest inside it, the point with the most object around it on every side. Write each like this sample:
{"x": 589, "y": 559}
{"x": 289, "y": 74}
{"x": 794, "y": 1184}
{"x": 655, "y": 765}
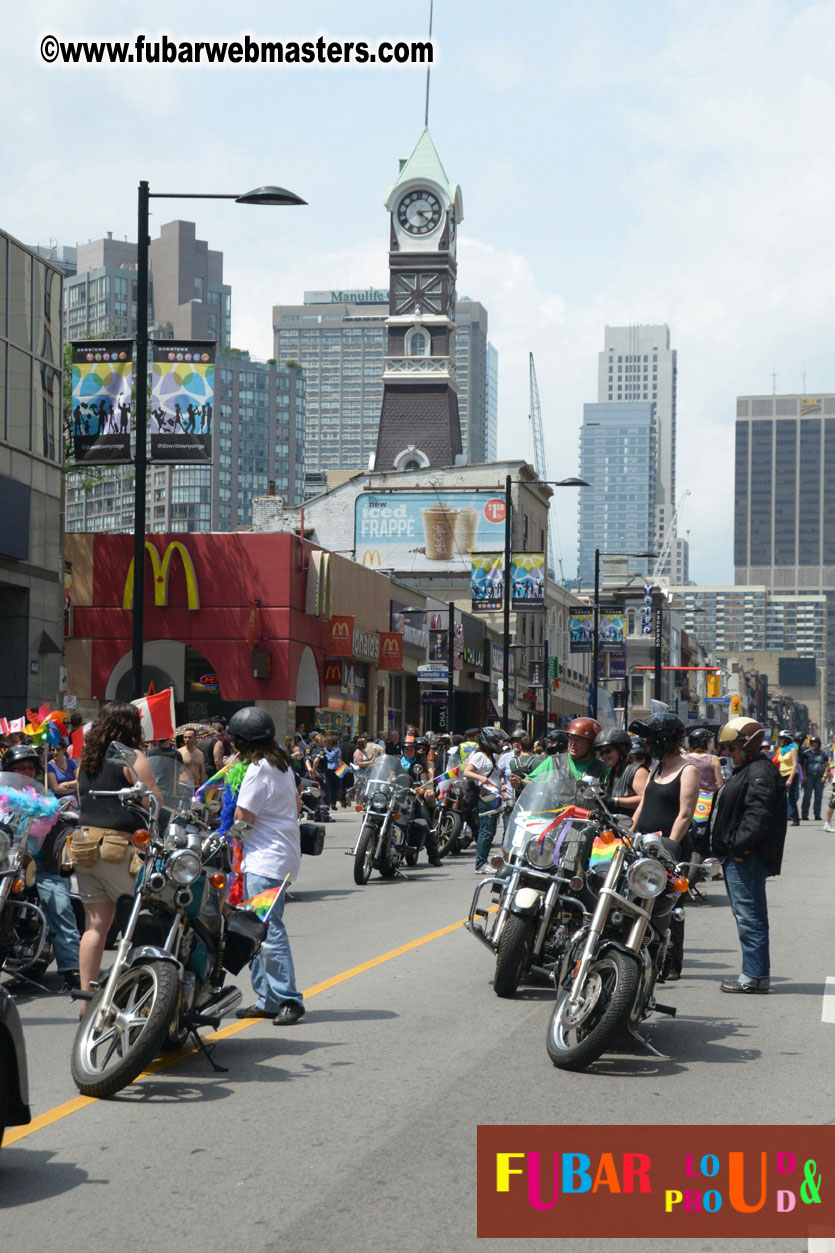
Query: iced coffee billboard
{"x": 412, "y": 530}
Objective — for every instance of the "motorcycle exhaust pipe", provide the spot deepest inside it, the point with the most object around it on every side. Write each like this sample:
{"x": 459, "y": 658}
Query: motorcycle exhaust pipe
{"x": 218, "y": 1007}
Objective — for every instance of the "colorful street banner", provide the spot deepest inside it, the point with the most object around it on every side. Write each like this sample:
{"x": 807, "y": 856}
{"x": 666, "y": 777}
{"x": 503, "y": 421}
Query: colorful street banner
{"x": 182, "y": 400}
{"x": 486, "y": 581}
{"x": 580, "y": 628}
{"x": 527, "y": 582}
{"x": 431, "y": 530}
{"x": 102, "y": 375}
{"x": 610, "y": 628}
{"x": 391, "y": 650}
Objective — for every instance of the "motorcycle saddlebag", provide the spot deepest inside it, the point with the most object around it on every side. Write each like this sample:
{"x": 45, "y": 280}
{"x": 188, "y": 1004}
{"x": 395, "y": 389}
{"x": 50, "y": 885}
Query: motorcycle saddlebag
{"x": 245, "y": 933}
{"x": 312, "y": 838}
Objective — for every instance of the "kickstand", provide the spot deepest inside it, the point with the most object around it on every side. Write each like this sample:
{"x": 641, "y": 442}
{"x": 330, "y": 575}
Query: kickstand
{"x": 17, "y": 977}
{"x": 401, "y": 874}
{"x": 646, "y": 1044}
{"x": 207, "y": 1051}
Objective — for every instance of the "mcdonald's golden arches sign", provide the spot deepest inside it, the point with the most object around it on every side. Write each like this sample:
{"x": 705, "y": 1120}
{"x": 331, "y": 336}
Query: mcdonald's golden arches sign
{"x": 391, "y": 650}
{"x": 161, "y": 569}
{"x": 341, "y": 635}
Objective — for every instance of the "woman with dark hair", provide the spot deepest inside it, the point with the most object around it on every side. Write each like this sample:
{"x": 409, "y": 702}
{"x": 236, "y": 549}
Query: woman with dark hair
{"x": 269, "y": 804}
{"x": 101, "y": 847}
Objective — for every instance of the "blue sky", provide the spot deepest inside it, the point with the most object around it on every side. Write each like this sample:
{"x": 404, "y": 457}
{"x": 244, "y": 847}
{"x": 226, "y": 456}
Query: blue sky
{"x": 645, "y": 163}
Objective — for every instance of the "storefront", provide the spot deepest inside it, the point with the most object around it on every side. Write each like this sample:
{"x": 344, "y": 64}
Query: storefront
{"x": 350, "y": 674}
{"x": 403, "y": 705}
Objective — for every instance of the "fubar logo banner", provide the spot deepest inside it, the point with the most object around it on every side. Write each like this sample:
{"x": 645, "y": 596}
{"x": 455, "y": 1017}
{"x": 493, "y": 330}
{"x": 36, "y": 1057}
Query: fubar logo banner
{"x": 548, "y": 1182}
{"x": 161, "y": 570}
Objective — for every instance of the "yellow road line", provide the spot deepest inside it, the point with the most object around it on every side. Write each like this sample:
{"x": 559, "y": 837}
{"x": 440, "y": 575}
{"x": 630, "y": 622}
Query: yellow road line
{"x": 161, "y": 1063}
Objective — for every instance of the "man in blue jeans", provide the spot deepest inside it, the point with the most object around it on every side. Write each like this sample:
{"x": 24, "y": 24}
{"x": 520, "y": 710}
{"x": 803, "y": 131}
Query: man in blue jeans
{"x": 748, "y": 831}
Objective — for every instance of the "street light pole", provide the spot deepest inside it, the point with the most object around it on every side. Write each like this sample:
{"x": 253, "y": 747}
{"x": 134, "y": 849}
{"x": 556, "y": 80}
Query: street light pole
{"x": 506, "y": 603}
{"x": 450, "y": 684}
{"x": 656, "y": 685}
{"x": 276, "y": 196}
{"x": 595, "y": 643}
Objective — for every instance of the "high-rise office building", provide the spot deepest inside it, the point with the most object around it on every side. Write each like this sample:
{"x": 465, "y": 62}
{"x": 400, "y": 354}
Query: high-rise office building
{"x": 784, "y": 502}
{"x": 339, "y": 339}
{"x": 618, "y": 461}
{"x": 637, "y": 363}
{"x": 259, "y": 434}
{"x": 750, "y": 619}
{"x": 31, "y": 540}
{"x": 492, "y": 449}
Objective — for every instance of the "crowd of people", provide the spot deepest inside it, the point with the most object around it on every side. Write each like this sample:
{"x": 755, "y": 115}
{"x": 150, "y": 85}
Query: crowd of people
{"x": 745, "y": 795}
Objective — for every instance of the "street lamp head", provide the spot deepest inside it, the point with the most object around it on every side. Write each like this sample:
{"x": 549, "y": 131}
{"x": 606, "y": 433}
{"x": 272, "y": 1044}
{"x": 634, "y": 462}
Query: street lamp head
{"x": 270, "y": 196}
{"x": 572, "y": 481}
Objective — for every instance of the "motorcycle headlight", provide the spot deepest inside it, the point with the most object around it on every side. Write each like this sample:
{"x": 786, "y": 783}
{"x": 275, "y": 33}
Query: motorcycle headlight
{"x": 5, "y": 848}
{"x": 379, "y": 800}
{"x": 184, "y": 866}
{"x": 540, "y": 853}
{"x": 646, "y": 877}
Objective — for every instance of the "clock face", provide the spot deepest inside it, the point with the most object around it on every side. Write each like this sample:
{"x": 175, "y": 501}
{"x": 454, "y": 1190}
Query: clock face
{"x": 419, "y": 212}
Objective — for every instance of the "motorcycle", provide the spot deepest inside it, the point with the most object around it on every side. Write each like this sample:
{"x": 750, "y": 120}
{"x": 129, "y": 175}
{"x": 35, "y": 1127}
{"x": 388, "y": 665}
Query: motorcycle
{"x": 27, "y": 813}
{"x": 528, "y": 930}
{"x": 608, "y": 969}
{"x": 456, "y": 818}
{"x": 390, "y": 834}
{"x": 167, "y": 977}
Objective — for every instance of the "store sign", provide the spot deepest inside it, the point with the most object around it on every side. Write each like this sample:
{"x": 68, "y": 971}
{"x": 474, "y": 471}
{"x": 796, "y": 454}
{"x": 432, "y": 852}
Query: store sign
{"x": 432, "y": 530}
{"x": 333, "y": 674}
{"x": 391, "y": 650}
{"x": 340, "y": 636}
{"x": 366, "y": 645}
{"x": 646, "y": 610}
{"x": 161, "y": 571}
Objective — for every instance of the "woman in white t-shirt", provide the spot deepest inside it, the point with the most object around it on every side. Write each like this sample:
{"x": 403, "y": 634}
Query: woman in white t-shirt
{"x": 481, "y": 768}
{"x": 268, "y": 801}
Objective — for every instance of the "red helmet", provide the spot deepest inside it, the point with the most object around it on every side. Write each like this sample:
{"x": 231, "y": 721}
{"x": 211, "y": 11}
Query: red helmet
{"x": 586, "y": 728}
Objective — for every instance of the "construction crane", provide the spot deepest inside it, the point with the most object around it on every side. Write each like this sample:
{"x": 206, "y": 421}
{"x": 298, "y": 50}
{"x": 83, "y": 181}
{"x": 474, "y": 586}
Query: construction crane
{"x": 540, "y": 461}
{"x": 669, "y": 540}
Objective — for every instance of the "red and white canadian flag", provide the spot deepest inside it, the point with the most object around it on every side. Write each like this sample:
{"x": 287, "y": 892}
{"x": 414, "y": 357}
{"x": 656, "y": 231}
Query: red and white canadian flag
{"x": 77, "y": 742}
{"x": 157, "y": 713}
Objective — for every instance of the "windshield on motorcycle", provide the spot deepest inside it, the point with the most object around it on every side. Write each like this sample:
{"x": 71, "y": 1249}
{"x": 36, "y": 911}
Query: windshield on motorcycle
{"x": 537, "y": 810}
{"x": 173, "y": 778}
{"x": 384, "y": 769}
{"x": 27, "y": 808}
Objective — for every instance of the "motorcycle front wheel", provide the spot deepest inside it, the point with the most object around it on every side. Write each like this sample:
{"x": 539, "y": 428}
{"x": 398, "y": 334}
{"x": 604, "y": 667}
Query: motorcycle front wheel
{"x": 109, "y": 1057}
{"x": 364, "y": 860}
{"x": 447, "y": 832}
{"x": 513, "y": 954}
{"x": 579, "y": 1034}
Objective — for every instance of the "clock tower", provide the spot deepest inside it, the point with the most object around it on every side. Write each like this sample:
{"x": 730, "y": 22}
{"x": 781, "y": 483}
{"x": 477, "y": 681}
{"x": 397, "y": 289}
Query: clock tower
{"x": 419, "y": 423}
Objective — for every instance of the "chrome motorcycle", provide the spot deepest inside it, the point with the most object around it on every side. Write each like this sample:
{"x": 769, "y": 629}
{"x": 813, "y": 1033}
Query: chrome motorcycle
{"x": 167, "y": 977}
{"x": 390, "y": 834}
{"x": 626, "y": 889}
{"x": 528, "y": 930}
{"x": 28, "y": 813}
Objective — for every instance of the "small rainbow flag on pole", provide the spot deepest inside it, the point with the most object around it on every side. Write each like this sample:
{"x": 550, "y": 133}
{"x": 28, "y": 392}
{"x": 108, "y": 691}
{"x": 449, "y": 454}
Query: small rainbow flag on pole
{"x": 448, "y": 774}
{"x": 208, "y": 790}
{"x": 263, "y": 903}
{"x": 341, "y": 770}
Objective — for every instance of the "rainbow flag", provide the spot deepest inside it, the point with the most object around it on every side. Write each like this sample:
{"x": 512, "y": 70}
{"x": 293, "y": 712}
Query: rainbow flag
{"x": 262, "y": 903}
{"x": 208, "y": 790}
{"x": 341, "y": 770}
{"x": 601, "y": 851}
{"x": 448, "y": 774}
{"x": 703, "y": 807}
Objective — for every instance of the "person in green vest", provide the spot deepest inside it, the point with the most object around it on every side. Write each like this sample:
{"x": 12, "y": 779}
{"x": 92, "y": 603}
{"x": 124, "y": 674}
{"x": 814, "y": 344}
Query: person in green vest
{"x": 582, "y": 733}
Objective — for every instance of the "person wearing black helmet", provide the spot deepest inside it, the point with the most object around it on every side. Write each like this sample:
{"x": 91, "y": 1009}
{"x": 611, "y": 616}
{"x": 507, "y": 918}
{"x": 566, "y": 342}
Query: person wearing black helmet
{"x": 268, "y": 803}
{"x": 481, "y": 769}
{"x": 626, "y": 779}
{"x": 413, "y": 763}
{"x": 639, "y": 751}
{"x": 668, "y": 804}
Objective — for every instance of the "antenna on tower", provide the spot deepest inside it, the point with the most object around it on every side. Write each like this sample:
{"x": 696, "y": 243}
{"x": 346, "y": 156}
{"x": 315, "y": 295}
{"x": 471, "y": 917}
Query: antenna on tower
{"x": 429, "y": 67}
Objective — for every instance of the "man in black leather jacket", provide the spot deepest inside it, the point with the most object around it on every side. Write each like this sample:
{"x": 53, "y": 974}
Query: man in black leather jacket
{"x": 748, "y": 831}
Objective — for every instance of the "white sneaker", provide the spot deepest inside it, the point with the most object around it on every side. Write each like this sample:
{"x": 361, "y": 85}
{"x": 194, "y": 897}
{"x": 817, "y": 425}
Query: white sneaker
{"x": 827, "y": 827}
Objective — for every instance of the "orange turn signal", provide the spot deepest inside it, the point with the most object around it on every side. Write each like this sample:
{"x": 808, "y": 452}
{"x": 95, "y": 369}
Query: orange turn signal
{"x": 681, "y": 885}
{"x": 141, "y": 837}
{"x": 17, "y": 885}
{"x": 217, "y": 880}
{"x": 358, "y": 808}
{"x": 607, "y": 837}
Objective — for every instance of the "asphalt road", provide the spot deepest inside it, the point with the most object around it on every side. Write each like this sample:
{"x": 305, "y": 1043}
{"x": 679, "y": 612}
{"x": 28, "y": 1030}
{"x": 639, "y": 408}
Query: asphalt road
{"x": 356, "y": 1129}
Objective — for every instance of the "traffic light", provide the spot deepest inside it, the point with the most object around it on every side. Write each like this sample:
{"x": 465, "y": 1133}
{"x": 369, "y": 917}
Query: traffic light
{"x": 736, "y": 705}
{"x": 712, "y": 686}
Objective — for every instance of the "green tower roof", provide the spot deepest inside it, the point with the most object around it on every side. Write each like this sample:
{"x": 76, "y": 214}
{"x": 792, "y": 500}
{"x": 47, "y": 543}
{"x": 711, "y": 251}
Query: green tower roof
{"x": 425, "y": 165}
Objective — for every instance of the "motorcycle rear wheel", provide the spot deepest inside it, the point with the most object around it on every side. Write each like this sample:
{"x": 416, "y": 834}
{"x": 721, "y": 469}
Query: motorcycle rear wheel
{"x": 513, "y": 954}
{"x": 107, "y": 1060}
{"x": 364, "y": 860}
{"x": 578, "y": 1035}
{"x": 447, "y": 832}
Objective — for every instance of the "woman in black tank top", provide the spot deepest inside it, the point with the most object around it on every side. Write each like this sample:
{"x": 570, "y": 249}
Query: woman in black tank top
{"x": 667, "y": 805}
